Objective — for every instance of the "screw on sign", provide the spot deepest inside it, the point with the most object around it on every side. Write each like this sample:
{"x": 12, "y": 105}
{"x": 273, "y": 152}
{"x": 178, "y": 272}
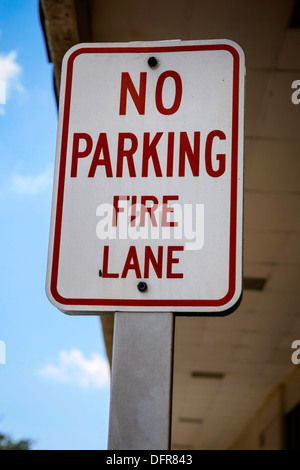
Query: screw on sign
{"x": 148, "y": 194}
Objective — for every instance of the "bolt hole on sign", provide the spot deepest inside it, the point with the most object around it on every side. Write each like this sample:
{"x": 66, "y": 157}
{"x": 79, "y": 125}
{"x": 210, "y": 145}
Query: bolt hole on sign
{"x": 148, "y": 187}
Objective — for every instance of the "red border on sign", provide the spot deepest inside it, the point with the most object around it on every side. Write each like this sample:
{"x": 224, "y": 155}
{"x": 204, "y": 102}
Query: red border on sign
{"x": 233, "y": 196}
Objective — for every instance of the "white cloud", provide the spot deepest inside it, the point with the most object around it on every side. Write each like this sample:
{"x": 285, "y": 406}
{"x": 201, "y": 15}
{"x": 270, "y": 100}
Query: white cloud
{"x": 75, "y": 369}
{"x": 10, "y": 72}
{"x": 21, "y": 184}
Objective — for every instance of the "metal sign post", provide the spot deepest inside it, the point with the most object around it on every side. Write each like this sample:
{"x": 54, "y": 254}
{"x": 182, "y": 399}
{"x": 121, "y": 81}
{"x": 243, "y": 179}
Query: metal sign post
{"x": 147, "y": 206}
{"x": 141, "y": 383}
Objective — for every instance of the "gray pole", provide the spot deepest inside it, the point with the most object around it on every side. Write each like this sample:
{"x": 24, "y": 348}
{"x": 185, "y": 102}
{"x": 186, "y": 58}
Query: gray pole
{"x": 141, "y": 383}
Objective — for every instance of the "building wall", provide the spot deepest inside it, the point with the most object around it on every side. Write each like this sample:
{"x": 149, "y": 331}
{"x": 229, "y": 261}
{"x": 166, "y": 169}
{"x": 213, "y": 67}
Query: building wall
{"x": 266, "y": 431}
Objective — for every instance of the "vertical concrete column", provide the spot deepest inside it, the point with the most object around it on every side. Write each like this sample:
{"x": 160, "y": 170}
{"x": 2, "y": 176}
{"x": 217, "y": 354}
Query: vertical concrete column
{"x": 141, "y": 384}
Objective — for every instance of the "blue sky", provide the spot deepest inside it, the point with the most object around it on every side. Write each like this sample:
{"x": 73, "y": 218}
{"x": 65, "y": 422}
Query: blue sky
{"x": 54, "y": 384}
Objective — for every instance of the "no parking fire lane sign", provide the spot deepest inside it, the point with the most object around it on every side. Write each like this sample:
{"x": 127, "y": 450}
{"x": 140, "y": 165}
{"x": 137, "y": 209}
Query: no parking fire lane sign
{"x": 148, "y": 188}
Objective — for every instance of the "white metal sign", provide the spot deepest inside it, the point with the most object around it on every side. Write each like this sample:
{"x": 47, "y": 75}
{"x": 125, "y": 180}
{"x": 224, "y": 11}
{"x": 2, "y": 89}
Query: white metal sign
{"x": 148, "y": 190}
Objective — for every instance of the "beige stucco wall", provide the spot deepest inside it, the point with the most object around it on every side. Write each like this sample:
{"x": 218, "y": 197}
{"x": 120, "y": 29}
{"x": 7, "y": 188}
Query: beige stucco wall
{"x": 266, "y": 429}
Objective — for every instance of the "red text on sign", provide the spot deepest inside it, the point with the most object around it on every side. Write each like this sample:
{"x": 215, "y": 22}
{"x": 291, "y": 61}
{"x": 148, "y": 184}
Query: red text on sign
{"x": 132, "y": 263}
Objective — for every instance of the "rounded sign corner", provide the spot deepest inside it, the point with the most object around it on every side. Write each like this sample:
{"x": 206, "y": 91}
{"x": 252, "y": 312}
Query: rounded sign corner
{"x": 55, "y": 298}
{"x": 233, "y": 304}
{"x": 74, "y": 49}
{"x": 233, "y": 47}
{"x": 73, "y": 52}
